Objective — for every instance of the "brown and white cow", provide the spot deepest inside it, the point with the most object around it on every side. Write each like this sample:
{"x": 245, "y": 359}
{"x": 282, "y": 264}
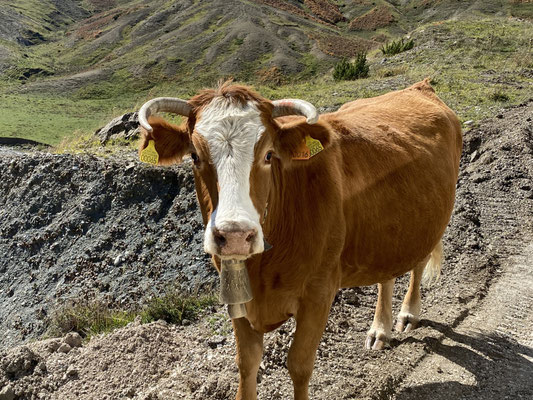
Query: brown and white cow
{"x": 372, "y": 205}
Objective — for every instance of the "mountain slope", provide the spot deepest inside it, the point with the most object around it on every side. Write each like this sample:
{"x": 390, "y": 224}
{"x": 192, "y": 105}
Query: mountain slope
{"x": 107, "y": 57}
{"x": 158, "y": 40}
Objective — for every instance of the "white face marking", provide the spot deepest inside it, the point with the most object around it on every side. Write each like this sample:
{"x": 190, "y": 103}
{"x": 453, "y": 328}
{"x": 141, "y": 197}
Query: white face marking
{"x": 231, "y": 132}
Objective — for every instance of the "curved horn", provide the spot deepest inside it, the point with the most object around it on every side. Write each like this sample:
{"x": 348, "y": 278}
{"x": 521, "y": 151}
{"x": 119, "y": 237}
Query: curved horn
{"x": 164, "y": 104}
{"x": 295, "y": 106}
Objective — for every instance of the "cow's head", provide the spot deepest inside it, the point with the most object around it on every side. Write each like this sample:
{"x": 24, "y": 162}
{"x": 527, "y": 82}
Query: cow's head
{"x": 234, "y": 142}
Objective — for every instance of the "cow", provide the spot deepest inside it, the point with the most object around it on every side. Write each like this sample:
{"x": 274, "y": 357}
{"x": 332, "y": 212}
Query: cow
{"x": 349, "y": 198}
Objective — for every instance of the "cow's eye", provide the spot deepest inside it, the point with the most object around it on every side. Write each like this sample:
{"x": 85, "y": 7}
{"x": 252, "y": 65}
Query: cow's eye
{"x": 268, "y": 157}
{"x": 195, "y": 158}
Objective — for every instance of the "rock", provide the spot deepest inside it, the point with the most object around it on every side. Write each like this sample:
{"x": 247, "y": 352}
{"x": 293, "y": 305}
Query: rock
{"x": 21, "y": 362}
{"x": 137, "y": 321}
{"x": 216, "y": 341}
{"x": 344, "y": 325}
{"x": 474, "y": 156}
{"x": 118, "y": 260}
{"x": 41, "y": 368}
{"x": 72, "y": 372}
{"x": 124, "y": 127}
{"x": 73, "y": 339}
{"x": 64, "y": 348}
{"x": 53, "y": 345}
{"x": 7, "y": 393}
{"x": 478, "y": 178}
{"x": 469, "y": 122}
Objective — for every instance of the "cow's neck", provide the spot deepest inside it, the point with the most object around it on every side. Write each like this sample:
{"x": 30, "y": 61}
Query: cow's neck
{"x": 288, "y": 196}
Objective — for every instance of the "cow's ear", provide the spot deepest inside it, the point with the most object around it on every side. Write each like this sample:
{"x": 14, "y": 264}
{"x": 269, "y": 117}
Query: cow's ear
{"x": 298, "y": 142}
{"x": 171, "y": 142}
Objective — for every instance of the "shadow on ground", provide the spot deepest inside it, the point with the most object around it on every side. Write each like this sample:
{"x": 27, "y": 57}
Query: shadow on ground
{"x": 484, "y": 356}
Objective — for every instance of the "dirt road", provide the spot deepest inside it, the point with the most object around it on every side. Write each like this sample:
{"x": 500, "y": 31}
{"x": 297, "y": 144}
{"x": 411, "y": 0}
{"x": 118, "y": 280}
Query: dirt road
{"x": 490, "y": 354}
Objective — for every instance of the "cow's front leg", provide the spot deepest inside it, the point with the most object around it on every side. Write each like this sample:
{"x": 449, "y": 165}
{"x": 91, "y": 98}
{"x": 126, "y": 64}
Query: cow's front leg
{"x": 249, "y": 352}
{"x": 310, "y": 324}
{"x": 379, "y": 334}
{"x": 409, "y": 316}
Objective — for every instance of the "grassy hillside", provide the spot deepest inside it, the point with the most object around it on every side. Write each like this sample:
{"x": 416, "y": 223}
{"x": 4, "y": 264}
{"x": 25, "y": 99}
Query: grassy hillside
{"x": 91, "y": 60}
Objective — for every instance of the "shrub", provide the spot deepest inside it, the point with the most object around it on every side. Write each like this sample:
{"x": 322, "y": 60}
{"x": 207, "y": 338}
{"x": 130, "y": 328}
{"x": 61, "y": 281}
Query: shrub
{"x": 174, "y": 307}
{"x": 499, "y": 95}
{"x": 348, "y": 71}
{"x": 91, "y": 317}
{"x": 397, "y": 46}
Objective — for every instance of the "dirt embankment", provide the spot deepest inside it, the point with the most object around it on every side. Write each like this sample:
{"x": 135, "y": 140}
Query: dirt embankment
{"x": 490, "y": 229}
{"x": 78, "y": 226}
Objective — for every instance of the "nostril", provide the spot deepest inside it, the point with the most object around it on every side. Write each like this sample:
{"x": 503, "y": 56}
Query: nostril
{"x": 220, "y": 240}
{"x": 251, "y": 236}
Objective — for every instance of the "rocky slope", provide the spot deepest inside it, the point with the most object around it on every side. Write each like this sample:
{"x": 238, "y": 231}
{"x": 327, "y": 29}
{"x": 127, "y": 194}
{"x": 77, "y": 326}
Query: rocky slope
{"x": 82, "y": 227}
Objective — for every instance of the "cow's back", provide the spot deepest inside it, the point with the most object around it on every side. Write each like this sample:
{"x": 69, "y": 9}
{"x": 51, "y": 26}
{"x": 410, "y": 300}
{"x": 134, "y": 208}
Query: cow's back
{"x": 400, "y": 159}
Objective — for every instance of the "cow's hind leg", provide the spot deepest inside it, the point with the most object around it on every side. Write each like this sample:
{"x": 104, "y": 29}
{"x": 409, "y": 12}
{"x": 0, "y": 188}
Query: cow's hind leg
{"x": 310, "y": 324}
{"x": 249, "y": 354}
{"x": 428, "y": 270}
{"x": 409, "y": 316}
{"x": 379, "y": 334}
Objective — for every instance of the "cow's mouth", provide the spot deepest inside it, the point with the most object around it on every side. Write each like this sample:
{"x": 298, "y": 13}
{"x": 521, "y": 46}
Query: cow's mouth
{"x": 235, "y": 289}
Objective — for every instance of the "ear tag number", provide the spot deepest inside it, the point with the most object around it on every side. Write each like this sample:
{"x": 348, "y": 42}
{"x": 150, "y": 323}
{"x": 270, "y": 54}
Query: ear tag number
{"x": 308, "y": 148}
{"x": 149, "y": 154}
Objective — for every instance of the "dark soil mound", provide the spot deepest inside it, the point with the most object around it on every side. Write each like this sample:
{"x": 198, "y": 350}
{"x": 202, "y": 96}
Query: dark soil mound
{"x": 77, "y": 226}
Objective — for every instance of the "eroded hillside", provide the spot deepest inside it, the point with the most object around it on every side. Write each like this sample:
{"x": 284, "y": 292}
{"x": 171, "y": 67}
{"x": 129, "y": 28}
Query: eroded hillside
{"x": 157, "y": 40}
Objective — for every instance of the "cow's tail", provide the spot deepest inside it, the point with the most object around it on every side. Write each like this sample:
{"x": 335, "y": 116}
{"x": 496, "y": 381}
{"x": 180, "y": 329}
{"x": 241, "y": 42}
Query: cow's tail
{"x": 432, "y": 271}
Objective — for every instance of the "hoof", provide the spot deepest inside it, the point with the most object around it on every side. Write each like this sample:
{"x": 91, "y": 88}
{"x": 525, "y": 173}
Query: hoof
{"x": 406, "y": 322}
{"x": 376, "y": 340}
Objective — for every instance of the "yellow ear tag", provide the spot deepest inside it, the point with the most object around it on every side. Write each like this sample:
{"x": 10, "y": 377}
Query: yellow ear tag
{"x": 308, "y": 148}
{"x": 149, "y": 154}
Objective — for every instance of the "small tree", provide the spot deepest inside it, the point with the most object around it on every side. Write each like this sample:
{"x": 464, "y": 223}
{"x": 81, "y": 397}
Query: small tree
{"x": 350, "y": 71}
{"x": 397, "y": 46}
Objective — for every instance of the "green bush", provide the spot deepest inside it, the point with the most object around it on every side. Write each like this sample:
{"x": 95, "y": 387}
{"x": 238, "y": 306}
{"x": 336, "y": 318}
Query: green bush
{"x": 349, "y": 71}
{"x": 174, "y": 307}
{"x": 499, "y": 95}
{"x": 397, "y": 46}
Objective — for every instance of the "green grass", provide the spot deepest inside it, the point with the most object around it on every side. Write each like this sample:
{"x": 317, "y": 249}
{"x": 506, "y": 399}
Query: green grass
{"x": 475, "y": 60}
{"x": 92, "y": 317}
{"x": 50, "y": 118}
{"x": 174, "y": 307}
{"x": 87, "y": 319}
{"x": 35, "y": 13}
{"x": 478, "y": 57}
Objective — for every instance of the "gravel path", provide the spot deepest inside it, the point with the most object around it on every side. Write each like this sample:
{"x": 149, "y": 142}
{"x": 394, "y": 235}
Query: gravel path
{"x": 490, "y": 354}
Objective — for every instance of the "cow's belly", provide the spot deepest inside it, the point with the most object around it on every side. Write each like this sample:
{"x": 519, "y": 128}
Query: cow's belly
{"x": 394, "y": 236}
{"x": 365, "y": 275}
{"x": 376, "y": 256}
